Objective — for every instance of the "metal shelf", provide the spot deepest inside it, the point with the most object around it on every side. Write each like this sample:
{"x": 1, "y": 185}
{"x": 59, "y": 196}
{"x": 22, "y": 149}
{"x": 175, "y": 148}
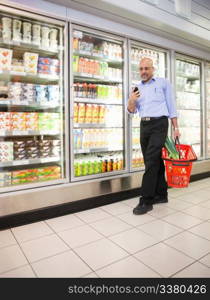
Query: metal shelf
{"x": 27, "y": 77}
{"x": 191, "y": 92}
{"x": 193, "y": 77}
{"x": 27, "y": 132}
{"x": 92, "y": 125}
{"x": 21, "y": 45}
{"x": 97, "y": 101}
{"x": 34, "y": 161}
{"x": 92, "y": 150}
{"x": 28, "y": 104}
{"x": 99, "y": 58}
{"x": 94, "y": 78}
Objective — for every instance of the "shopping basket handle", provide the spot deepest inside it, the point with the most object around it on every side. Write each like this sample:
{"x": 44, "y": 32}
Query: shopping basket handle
{"x": 177, "y": 142}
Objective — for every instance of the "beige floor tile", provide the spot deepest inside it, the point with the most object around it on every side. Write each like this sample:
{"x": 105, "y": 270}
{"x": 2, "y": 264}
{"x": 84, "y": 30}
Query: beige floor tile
{"x": 182, "y": 220}
{"x": 91, "y": 275}
{"x": 202, "y": 230}
{"x": 79, "y": 236}
{"x": 190, "y": 244}
{"x": 6, "y": 238}
{"x": 206, "y": 260}
{"x": 160, "y": 211}
{"x": 93, "y": 215}
{"x": 116, "y": 208}
{"x": 195, "y": 197}
{"x": 205, "y": 203}
{"x": 67, "y": 264}
{"x": 163, "y": 259}
{"x": 43, "y": 247}
{"x": 65, "y": 222}
{"x": 31, "y": 231}
{"x": 23, "y": 272}
{"x": 178, "y": 205}
{"x": 135, "y": 220}
{"x": 11, "y": 257}
{"x": 198, "y": 212}
{"x": 110, "y": 226}
{"x": 133, "y": 202}
{"x": 128, "y": 267}
{"x": 100, "y": 253}
{"x": 133, "y": 240}
{"x": 159, "y": 229}
{"x": 196, "y": 270}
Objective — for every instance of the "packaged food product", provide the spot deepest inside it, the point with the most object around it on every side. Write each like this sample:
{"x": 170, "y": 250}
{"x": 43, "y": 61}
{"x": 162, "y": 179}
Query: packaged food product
{"x": 31, "y": 121}
{"x": 5, "y": 120}
{"x": 88, "y": 113}
{"x": 102, "y": 110}
{"x": 95, "y": 113}
{"x": 30, "y": 62}
{"x": 75, "y": 112}
{"x": 6, "y": 28}
{"x": 36, "y": 31}
{"x": 18, "y": 121}
{"x": 17, "y": 24}
{"x": 26, "y": 32}
{"x": 5, "y": 59}
{"x": 6, "y": 151}
{"x": 5, "y": 179}
{"x": 53, "y": 37}
{"x": 53, "y": 93}
{"x": 81, "y": 113}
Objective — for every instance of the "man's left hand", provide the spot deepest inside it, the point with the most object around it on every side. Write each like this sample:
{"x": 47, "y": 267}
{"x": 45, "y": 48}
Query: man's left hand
{"x": 176, "y": 133}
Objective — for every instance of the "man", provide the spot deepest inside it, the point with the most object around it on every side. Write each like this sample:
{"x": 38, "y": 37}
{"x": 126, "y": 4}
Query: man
{"x": 155, "y": 103}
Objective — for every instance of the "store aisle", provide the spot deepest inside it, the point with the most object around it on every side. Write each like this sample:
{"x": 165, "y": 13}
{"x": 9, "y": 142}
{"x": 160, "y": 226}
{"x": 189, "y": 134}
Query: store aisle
{"x": 173, "y": 240}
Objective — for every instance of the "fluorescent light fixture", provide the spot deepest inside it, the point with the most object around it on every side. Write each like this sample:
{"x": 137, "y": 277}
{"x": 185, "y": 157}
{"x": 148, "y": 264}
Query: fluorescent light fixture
{"x": 183, "y": 8}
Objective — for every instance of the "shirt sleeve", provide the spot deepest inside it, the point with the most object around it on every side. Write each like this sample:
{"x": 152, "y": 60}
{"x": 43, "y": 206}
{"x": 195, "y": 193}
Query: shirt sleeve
{"x": 170, "y": 100}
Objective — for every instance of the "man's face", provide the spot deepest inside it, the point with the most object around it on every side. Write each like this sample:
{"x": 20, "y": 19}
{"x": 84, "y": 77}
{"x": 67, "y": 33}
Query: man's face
{"x": 146, "y": 70}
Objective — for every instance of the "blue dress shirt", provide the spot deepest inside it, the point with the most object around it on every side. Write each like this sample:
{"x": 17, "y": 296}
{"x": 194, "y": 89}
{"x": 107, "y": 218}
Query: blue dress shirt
{"x": 156, "y": 99}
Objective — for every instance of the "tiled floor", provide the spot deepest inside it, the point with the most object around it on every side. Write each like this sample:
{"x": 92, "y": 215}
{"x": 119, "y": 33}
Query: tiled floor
{"x": 173, "y": 240}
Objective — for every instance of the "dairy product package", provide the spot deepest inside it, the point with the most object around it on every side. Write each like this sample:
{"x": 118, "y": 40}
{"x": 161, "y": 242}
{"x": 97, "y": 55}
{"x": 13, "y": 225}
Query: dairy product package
{"x": 5, "y": 59}
{"x": 53, "y": 93}
{"x": 6, "y": 29}
{"x": 31, "y": 121}
{"x": 26, "y": 32}
{"x": 16, "y": 30}
{"x": 18, "y": 121}
{"x": 5, "y": 120}
{"x": 30, "y": 62}
{"x": 6, "y": 151}
{"x": 36, "y": 34}
{"x": 5, "y": 179}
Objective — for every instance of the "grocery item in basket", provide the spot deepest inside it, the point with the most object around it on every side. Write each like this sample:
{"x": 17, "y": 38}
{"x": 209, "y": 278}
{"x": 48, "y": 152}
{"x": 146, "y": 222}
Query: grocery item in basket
{"x": 5, "y": 59}
{"x": 5, "y": 179}
{"x": 30, "y": 62}
{"x": 170, "y": 146}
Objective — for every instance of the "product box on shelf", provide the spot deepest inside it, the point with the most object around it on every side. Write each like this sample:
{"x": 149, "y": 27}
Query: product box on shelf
{"x": 5, "y": 120}
{"x": 5, "y": 59}
{"x": 6, "y": 151}
{"x": 30, "y": 62}
{"x": 5, "y": 179}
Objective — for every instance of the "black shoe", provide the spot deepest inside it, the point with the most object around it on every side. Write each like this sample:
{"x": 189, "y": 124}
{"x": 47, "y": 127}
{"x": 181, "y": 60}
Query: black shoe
{"x": 142, "y": 208}
{"x": 160, "y": 199}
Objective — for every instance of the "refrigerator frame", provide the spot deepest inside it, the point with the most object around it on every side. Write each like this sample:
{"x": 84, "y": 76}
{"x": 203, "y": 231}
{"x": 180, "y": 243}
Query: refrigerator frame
{"x": 195, "y": 60}
{"x": 107, "y": 36}
{"x": 205, "y": 63}
{"x": 168, "y": 76}
{"x": 54, "y": 21}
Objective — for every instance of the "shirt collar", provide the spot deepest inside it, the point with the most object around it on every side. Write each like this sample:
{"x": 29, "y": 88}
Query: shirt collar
{"x": 152, "y": 79}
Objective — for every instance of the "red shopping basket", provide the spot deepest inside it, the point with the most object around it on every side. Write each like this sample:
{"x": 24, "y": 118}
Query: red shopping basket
{"x": 178, "y": 171}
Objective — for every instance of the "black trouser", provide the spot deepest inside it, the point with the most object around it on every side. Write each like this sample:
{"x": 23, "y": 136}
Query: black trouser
{"x": 152, "y": 138}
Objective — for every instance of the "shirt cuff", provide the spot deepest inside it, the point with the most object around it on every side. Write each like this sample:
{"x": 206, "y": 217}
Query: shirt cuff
{"x": 131, "y": 113}
{"x": 173, "y": 116}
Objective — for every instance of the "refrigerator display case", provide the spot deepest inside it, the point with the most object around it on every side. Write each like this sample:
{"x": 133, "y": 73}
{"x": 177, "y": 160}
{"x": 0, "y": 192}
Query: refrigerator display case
{"x": 137, "y": 52}
{"x": 188, "y": 98}
{"x": 207, "y": 93}
{"x": 97, "y": 107}
{"x": 31, "y": 101}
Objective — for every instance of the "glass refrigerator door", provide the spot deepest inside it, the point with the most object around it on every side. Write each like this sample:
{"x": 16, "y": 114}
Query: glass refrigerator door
{"x": 31, "y": 101}
{"x": 207, "y": 78}
{"x": 159, "y": 60}
{"x": 98, "y": 125}
{"x": 188, "y": 97}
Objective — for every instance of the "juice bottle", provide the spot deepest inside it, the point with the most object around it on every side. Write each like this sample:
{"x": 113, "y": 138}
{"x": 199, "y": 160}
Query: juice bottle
{"x": 81, "y": 112}
{"x": 90, "y": 167}
{"x": 94, "y": 87}
{"x": 75, "y": 63}
{"x": 84, "y": 90}
{"x": 75, "y": 112}
{"x": 109, "y": 165}
{"x": 103, "y": 170}
{"x": 88, "y": 113}
{"x": 80, "y": 65}
{"x": 84, "y": 167}
{"x": 80, "y": 88}
{"x": 75, "y": 44}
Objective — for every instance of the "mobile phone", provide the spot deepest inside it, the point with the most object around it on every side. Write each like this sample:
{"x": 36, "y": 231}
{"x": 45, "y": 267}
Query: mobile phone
{"x": 135, "y": 89}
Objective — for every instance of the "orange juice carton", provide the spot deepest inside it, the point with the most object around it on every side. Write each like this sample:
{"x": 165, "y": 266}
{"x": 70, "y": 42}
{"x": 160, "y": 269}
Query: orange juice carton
{"x": 95, "y": 113}
{"x": 102, "y": 111}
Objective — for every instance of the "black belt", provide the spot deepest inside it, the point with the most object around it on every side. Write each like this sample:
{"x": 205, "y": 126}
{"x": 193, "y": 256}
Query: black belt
{"x": 152, "y": 118}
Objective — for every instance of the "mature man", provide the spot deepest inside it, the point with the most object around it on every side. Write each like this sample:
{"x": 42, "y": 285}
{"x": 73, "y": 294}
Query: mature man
{"x": 155, "y": 103}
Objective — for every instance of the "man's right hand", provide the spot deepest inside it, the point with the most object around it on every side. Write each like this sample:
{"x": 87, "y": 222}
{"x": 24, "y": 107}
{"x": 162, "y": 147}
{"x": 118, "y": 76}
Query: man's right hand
{"x": 134, "y": 96}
